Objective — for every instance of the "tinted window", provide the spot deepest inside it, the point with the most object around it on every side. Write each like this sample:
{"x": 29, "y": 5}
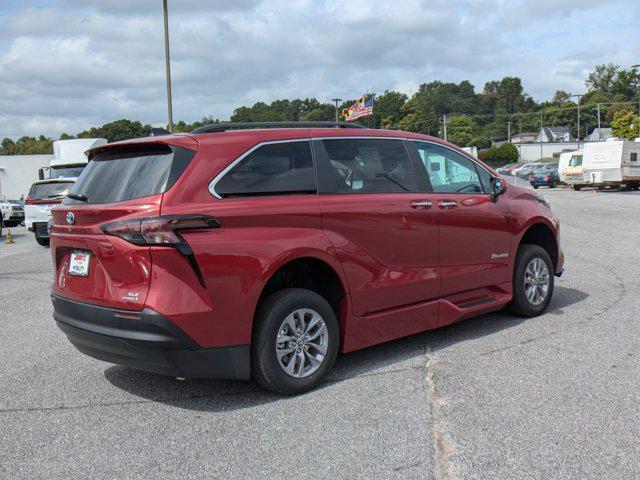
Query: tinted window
{"x": 451, "y": 172}
{"x": 41, "y": 191}
{"x": 634, "y": 157}
{"x": 368, "y": 166}
{"x": 277, "y": 168}
{"x": 118, "y": 175}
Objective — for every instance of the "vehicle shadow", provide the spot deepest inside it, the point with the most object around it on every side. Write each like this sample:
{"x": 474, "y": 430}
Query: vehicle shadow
{"x": 406, "y": 353}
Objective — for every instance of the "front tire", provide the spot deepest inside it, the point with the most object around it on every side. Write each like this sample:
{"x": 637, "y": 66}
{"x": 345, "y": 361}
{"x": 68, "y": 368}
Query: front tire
{"x": 295, "y": 341}
{"x": 532, "y": 281}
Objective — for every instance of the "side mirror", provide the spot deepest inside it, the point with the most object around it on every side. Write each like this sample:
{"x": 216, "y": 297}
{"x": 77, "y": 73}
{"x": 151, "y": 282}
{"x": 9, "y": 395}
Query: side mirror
{"x": 498, "y": 186}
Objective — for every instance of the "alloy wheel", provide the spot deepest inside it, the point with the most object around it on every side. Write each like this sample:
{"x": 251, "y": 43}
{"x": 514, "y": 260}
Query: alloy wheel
{"x": 302, "y": 343}
{"x": 536, "y": 281}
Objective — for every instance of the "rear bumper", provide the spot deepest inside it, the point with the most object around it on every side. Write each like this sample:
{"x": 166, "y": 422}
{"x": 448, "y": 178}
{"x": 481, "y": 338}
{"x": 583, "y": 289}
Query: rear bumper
{"x": 145, "y": 340}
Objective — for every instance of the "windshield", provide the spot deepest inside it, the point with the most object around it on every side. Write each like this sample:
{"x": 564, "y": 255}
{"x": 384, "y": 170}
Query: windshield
{"x": 41, "y": 191}
{"x": 67, "y": 171}
{"x": 124, "y": 175}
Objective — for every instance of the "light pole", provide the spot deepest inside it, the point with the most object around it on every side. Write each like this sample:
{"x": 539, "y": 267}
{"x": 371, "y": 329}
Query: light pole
{"x": 634, "y": 67}
{"x": 579, "y": 97}
{"x": 167, "y": 61}
{"x": 336, "y": 100}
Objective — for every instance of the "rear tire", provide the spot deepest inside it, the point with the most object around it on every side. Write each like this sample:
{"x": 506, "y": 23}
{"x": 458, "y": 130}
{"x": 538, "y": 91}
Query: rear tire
{"x": 577, "y": 188}
{"x": 268, "y": 363}
{"x": 532, "y": 281}
{"x": 43, "y": 241}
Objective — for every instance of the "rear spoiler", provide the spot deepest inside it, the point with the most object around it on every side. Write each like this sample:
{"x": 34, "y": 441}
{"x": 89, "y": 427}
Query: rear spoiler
{"x": 184, "y": 141}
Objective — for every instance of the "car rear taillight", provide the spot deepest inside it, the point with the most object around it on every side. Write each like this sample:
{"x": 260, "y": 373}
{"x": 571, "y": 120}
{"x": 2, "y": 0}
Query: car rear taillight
{"x": 158, "y": 230}
{"x": 163, "y": 231}
{"x": 547, "y": 178}
{"x": 533, "y": 179}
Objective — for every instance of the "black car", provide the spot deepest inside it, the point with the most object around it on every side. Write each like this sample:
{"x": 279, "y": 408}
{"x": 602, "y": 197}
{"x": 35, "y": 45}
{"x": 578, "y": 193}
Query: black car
{"x": 547, "y": 176}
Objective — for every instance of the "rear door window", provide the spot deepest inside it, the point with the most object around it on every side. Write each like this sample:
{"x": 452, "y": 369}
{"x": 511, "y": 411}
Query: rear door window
{"x": 42, "y": 191}
{"x": 125, "y": 174}
{"x": 366, "y": 166}
{"x": 272, "y": 169}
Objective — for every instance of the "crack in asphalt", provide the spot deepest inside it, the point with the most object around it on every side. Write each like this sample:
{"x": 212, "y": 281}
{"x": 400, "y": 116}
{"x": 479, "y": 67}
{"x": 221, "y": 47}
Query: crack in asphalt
{"x": 443, "y": 446}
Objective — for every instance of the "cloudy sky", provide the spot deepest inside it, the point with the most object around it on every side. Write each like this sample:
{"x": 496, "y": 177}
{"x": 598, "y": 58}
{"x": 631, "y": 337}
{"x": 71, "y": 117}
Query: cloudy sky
{"x": 66, "y": 65}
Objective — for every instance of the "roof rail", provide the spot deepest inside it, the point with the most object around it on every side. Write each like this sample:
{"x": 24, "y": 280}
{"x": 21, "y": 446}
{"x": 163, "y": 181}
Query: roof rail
{"x": 222, "y": 127}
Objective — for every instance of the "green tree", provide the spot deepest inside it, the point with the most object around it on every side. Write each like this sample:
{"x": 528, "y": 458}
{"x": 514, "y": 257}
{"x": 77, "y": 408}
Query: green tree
{"x": 625, "y": 125}
{"x": 119, "y": 130}
{"x": 502, "y": 155}
{"x": 462, "y": 130}
{"x": 602, "y": 78}
{"x": 387, "y": 108}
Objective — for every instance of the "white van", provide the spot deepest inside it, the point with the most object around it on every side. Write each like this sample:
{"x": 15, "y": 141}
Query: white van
{"x": 612, "y": 163}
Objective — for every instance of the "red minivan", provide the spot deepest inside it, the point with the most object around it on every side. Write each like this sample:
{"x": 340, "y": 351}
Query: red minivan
{"x": 263, "y": 250}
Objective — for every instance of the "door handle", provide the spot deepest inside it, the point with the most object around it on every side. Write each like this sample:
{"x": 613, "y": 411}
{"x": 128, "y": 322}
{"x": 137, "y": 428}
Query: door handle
{"x": 422, "y": 204}
{"x": 447, "y": 204}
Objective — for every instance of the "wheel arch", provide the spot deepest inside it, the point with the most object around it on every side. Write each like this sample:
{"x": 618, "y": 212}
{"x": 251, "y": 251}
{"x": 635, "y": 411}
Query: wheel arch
{"x": 311, "y": 271}
{"x": 542, "y": 233}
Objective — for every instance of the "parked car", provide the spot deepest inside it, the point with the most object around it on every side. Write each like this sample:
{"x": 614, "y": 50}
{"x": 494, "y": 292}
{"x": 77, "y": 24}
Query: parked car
{"x": 11, "y": 214}
{"x": 529, "y": 169}
{"x": 547, "y": 176}
{"x": 511, "y": 168}
{"x": 43, "y": 196}
{"x": 265, "y": 252}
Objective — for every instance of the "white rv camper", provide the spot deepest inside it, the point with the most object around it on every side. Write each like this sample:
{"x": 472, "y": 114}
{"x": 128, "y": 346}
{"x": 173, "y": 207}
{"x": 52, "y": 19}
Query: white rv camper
{"x": 612, "y": 163}
{"x": 570, "y": 169}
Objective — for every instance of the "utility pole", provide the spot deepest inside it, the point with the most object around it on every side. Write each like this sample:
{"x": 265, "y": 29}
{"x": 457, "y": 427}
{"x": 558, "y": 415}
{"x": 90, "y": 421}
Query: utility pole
{"x": 509, "y": 131}
{"x": 634, "y": 67}
{"x": 444, "y": 122}
{"x": 541, "y": 132}
{"x": 579, "y": 97}
{"x": 336, "y": 100}
{"x": 599, "y": 132}
{"x": 167, "y": 61}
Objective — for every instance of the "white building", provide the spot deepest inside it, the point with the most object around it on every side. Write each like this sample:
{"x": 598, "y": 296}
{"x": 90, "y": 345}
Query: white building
{"x": 532, "y": 152}
{"x": 18, "y": 172}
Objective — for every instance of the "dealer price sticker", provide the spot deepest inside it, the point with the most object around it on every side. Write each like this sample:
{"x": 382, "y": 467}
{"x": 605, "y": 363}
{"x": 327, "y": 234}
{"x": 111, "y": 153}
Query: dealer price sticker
{"x": 79, "y": 264}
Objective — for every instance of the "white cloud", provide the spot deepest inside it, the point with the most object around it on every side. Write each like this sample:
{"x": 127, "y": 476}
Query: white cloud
{"x": 78, "y": 63}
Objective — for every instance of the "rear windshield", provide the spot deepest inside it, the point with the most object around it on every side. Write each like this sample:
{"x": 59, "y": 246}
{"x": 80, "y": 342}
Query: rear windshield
{"x": 42, "y": 191}
{"x": 115, "y": 176}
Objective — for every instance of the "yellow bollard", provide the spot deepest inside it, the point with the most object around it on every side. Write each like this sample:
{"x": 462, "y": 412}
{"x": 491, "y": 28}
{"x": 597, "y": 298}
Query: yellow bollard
{"x": 8, "y": 237}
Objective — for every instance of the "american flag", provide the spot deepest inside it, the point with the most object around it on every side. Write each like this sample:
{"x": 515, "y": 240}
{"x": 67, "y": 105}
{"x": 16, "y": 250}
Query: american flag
{"x": 362, "y": 108}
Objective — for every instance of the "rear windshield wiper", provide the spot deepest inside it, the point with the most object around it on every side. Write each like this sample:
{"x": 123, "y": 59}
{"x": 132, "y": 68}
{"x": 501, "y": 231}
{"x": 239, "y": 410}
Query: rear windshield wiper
{"x": 388, "y": 177}
{"x": 78, "y": 196}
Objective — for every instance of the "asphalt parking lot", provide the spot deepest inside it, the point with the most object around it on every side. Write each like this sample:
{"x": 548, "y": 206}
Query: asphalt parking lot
{"x": 556, "y": 396}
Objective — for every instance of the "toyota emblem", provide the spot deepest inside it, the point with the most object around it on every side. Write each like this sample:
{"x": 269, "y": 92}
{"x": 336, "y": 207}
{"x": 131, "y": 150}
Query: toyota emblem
{"x": 71, "y": 218}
